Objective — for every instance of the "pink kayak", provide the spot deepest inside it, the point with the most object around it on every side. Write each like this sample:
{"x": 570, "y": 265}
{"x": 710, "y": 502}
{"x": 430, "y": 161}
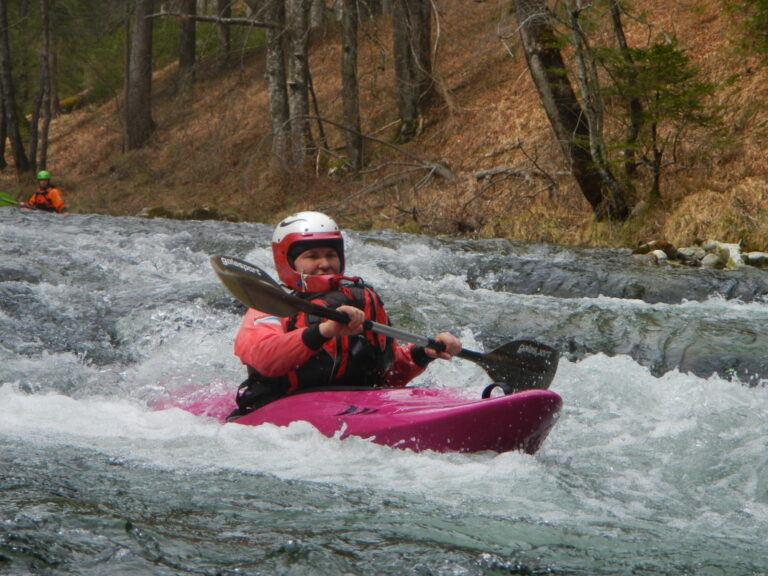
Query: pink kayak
{"x": 414, "y": 418}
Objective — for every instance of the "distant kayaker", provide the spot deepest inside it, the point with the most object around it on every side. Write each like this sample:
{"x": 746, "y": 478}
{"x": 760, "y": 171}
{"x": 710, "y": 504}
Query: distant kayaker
{"x": 285, "y": 355}
{"x": 46, "y": 197}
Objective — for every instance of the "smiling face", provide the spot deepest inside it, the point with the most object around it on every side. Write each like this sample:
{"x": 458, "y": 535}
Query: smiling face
{"x": 318, "y": 261}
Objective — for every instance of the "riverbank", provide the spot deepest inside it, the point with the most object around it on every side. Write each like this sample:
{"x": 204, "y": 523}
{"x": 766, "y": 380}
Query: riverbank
{"x": 210, "y": 155}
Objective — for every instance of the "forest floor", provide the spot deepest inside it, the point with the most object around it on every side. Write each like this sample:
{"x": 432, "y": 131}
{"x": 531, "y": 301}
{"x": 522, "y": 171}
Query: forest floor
{"x": 210, "y": 153}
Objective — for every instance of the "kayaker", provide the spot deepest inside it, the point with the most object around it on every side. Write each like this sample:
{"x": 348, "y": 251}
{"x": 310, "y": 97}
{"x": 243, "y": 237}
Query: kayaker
{"x": 46, "y": 197}
{"x": 285, "y": 355}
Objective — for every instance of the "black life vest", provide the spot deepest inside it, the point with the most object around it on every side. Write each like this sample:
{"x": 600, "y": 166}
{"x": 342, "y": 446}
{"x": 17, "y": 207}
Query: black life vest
{"x": 346, "y": 361}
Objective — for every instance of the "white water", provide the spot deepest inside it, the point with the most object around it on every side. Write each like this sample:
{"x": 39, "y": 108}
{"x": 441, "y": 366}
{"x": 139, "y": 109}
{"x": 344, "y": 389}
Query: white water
{"x": 641, "y": 475}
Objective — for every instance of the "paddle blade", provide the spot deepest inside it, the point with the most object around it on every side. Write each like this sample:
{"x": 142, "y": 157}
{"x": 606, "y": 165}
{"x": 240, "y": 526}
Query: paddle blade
{"x": 256, "y": 289}
{"x": 251, "y": 286}
{"x": 522, "y": 364}
{"x": 7, "y": 200}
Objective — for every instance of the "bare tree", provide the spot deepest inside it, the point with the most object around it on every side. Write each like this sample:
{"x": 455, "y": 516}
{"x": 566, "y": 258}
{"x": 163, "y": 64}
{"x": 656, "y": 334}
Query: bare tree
{"x": 42, "y": 104}
{"x": 411, "y": 38}
{"x": 592, "y": 99}
{"x": 3, "y": 133}
{"x": 297, "y": 30}
{"x": 317, "y": 14}
{"x": 369, "y": 8}
{"x": 20, "y": 158}
{"x": 634, "y": 106}
{"x": 566, "y": 116}
{"x": 349, "y": 84}
{"x": 276, "y": 76}
{"x": 138, "y": 90}
{"x": 187, "y": 41}
{"x": 253, "y": 7}
{"x": 224, "y": 10}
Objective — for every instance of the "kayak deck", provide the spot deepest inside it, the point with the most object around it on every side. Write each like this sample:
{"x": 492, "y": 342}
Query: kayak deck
{"x": 412, "y": 418}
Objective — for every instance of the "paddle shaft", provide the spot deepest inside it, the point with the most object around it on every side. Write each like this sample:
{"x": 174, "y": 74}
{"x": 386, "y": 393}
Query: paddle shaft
{"x": 383, "y": 329}
{"x": 536, "y": 369}
{"x": 403, "y": 336}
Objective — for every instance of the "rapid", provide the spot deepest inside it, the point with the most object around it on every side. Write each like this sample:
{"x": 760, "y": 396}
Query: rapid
{"x": 658, "y": 464}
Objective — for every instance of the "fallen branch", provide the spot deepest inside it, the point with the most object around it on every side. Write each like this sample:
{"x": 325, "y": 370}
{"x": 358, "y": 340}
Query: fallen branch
{"x": 507, "y": 174}
{"x": 214, "y": 19}
{"x": 506, "y": 170}
{"x": 435, "y": 167}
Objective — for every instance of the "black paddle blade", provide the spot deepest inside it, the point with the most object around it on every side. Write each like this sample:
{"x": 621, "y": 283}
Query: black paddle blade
{"x": 256, "y": 289}
{"x": 522, "y": 364}
{"x": 252, "y": 286}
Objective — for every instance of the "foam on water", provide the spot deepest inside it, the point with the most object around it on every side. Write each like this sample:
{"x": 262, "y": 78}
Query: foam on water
{"x": 641, "y": 471}
{"x": 681, "y": 449}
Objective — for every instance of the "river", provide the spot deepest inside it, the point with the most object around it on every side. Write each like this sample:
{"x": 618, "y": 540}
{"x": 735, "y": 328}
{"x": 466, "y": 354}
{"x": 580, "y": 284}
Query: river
{"x": 658, "y": 464}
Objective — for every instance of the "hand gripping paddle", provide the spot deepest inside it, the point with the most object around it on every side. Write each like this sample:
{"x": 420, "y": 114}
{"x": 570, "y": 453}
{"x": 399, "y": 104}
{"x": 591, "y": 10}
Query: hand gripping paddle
{"x": 520, "y": 365}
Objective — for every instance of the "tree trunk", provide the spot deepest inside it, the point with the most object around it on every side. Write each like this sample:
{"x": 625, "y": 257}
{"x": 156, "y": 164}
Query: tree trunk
{"x": 138, "y": 94}
{"x": 655, "y": 193}
{"x": 9, "y": 97}
{"x": 3, "y": 133}
{"x": 297, "y": 28}
{"x": 594, "y": 108}
{"x": 276, "y": 76}
{"x": 187, "y": 41}
{"x": 635, "y": 107}
{"x": 23, "y": 63}
{"x": 565, "y": 114}
{"x": 369, "y": 9}
{"x": 349, "y": 85}
{"x": 224, "y": 10}
{"x": 34, "y": 120}
{"x": 47, "y": 117}
{"x": 42, "y": 105}
{"x": 53, "y": 70}
{"x": 411, "y": 38}
{"x": 317, "y": 14}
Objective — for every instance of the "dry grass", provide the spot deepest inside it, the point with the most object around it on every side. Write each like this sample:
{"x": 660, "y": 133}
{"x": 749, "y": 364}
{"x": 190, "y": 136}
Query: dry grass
{"x": 212, "y": 144}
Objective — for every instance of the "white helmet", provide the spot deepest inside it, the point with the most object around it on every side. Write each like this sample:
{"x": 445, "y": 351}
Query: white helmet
{"x": 297, "y": 233}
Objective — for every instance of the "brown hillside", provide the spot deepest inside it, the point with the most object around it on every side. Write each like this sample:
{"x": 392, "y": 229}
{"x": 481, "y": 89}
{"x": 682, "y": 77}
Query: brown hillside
{"x": 212, "y": 148}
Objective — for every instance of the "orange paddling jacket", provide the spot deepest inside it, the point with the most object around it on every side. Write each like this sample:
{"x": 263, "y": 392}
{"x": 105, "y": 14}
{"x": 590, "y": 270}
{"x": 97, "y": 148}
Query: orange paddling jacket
{"x": 48, "y": 199}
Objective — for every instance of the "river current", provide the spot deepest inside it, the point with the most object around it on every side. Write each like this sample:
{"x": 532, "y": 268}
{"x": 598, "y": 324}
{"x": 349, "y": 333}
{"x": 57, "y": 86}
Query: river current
{"x": 658, "y": 464}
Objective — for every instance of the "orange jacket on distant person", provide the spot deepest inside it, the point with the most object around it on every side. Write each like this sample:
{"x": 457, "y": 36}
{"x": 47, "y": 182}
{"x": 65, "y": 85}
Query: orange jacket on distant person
{"x": 48, "y": 199}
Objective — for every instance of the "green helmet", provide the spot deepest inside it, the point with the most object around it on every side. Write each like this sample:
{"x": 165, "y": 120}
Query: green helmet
{"x": 43, "y": 175}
